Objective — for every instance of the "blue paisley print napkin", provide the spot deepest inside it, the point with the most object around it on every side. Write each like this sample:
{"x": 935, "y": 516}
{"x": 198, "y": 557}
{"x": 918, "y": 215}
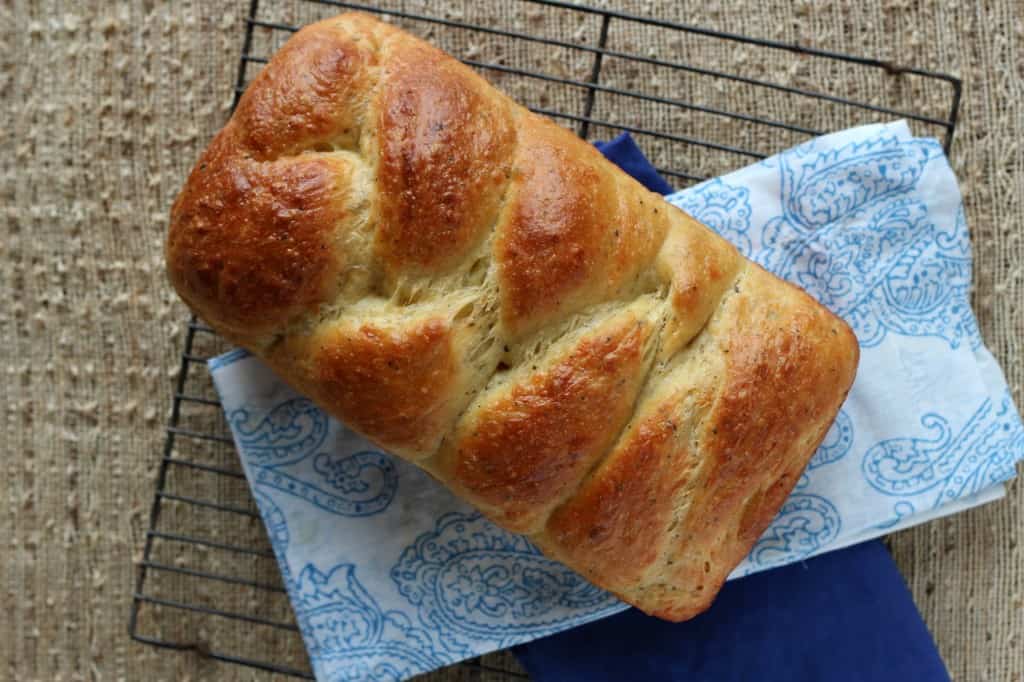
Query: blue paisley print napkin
{"x": 391, "y": 576}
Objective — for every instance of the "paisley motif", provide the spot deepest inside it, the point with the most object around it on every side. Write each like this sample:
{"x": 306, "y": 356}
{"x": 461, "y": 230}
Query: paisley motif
{"x": 280, "y": 448}
{"x": 468, "y": 577}
{"x": 977, "y": 457}
{"x": 290, "y": 431}
{"x": 953, "y": 241}
{"x": 820, "y": 190}
{"x": 805, "y": 524}
{"x": 852, "y": 234}
{"x": 914, "y": 289}
{"x": 841, "y": 267}
{"x": 909, "y": 466}
{"x": 378, "y": 494}
{"x": 344, "y": 629}
{"x": 340, "y": 619}
{"x": 366, "y": 480}
{"x": 837, "y": 442}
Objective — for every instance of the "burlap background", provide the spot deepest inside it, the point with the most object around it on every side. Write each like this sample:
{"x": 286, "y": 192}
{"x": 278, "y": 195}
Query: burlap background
{"x": 106, "y": 105}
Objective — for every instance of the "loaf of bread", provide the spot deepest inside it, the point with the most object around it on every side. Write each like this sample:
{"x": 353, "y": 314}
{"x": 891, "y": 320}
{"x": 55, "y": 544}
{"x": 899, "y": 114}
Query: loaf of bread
{"x": 475, "y": 289}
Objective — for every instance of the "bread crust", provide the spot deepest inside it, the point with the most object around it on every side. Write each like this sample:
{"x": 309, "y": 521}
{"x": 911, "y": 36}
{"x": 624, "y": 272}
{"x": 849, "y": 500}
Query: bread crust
{"x": 476, "y": 289}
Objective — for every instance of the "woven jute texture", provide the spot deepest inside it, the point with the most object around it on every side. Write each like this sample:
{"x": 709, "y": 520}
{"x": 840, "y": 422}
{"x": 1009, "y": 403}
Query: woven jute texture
{"x": 105, "y": 106}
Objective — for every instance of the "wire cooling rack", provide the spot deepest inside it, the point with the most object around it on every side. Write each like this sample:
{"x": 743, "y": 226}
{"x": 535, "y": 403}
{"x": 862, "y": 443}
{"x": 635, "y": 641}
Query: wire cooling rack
{"x": 700, "y": 102}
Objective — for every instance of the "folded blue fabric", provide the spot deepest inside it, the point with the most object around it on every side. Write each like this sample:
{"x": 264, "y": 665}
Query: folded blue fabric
{"x": 846, "y": 615}
{"x": 624, "y": 152}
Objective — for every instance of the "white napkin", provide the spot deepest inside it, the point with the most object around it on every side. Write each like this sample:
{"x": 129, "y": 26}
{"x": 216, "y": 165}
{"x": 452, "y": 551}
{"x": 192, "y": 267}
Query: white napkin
{"x": 391, "y": 576}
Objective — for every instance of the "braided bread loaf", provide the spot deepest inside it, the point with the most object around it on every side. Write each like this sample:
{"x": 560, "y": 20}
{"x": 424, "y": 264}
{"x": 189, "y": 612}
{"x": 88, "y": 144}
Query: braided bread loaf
{"x": 477, "y": 290}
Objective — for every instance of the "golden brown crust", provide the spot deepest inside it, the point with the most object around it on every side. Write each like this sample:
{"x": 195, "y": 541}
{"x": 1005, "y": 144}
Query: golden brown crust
{"x": 253, "y": 243}
{"x": 575, "y": 231}
{"x": 638, "y": 231}
{"x": 446, "y": 145}
{"x": 525, "y": 446}
{"x": 700, "y": 268}
{"x": 302, "y": 99}
{"x": 552, "y": 241}
{"x": 390, "y": 380}
{"x": 624, "y": 509}
{"x": 479, "y": 291}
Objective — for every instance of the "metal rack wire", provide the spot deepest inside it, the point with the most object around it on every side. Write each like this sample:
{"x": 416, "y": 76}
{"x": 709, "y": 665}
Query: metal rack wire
{"x": 206, "y": 556}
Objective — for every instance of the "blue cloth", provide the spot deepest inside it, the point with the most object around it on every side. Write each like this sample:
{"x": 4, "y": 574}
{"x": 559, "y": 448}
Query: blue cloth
{"x": 842, "y": 616}
{"x": 624, "y": 151}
